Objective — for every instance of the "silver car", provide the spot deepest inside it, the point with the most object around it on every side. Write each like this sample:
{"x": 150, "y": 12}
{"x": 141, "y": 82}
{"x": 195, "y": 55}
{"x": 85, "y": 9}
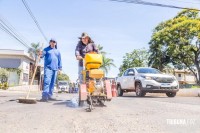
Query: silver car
{"x": 144, "y": 80}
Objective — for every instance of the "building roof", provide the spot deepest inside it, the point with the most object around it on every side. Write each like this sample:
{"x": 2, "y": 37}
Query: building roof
{"x": 12, "y": 52}
{"x": 182, "y": 71}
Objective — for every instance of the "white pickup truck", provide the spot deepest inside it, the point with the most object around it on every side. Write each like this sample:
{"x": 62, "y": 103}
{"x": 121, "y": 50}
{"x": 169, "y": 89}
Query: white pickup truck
{"x": 144, "y": 80}
{"x": 63, "y": 86}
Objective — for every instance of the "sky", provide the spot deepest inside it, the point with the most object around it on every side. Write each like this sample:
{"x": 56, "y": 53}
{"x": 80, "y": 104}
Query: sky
{"x": 118, "y": 27}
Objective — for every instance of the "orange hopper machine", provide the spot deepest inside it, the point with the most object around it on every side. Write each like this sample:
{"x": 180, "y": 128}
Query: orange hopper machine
{"x": 95, "y": 90}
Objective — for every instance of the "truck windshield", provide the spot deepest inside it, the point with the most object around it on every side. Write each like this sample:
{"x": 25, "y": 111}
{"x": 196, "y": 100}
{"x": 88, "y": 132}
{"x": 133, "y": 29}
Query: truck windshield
{"x": 148, "y": 70}
{"x": 62, "y": 83}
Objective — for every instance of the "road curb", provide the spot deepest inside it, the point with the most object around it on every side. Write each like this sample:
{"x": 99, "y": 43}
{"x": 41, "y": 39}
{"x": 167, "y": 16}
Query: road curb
{"x": 33, "y": 88}
{"x": 18, "y": 91}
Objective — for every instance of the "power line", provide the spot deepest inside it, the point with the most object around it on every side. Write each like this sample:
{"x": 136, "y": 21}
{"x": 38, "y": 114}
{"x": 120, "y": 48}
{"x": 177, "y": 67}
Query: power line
{"x": 10, "y": 30}
{"x": 2, "y": 27}
{"x": 152, "y": 4}
{"x": 34, "y": 19}
{"x": 180, "y": 1}
{"x": 13, "y": 30}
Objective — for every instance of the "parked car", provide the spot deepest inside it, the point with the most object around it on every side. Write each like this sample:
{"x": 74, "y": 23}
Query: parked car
{"x": 144, "y": 80}
{"x": 63, "y": 86}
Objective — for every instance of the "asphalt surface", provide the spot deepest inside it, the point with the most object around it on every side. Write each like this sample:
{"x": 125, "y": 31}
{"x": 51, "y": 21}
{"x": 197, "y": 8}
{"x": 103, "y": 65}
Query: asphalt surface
{"x": 129, "y": 114}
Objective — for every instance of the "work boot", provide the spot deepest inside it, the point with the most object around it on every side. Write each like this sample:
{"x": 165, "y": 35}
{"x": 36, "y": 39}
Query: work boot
{"x": 43, "y": 100}
{"x": 52, "y": 99}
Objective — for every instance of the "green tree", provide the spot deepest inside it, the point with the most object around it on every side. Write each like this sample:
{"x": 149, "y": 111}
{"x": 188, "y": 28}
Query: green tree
{"x": 3, "y": 75}
{"x": 3, "y": 78}
{"x": 107, "y": 62}
{"x": 63, "y": 77}
{"x": 177, "y": 41}
{"x": 136, "y": 58}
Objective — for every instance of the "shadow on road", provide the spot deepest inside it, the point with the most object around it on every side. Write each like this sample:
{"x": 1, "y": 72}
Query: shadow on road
{"x": 73, "y": 103}
{"x": 61, "y": 103}
{"x": 3, "y": 96}
{"x": 144, "y": 97}
{"x": 148, "y": 95}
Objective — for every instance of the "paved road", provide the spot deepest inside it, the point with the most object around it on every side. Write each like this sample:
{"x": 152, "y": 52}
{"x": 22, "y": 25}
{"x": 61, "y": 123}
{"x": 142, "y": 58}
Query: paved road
{"x": 152, "y": 114}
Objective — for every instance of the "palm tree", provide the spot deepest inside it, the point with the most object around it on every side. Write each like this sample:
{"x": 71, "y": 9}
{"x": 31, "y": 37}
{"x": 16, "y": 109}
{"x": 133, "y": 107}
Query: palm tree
{"x": 107, "y": 62}
{"x": 33, "y": 51}
{"x": 100, "y": 48}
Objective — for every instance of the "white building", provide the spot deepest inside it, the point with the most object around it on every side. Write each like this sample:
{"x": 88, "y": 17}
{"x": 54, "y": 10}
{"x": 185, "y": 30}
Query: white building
{"x": 185, "y": 77}
{"x": 16, "y": 59}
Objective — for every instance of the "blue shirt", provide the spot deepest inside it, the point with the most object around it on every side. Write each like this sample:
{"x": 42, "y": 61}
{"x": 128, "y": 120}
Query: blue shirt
{"x": 52, "y": 58}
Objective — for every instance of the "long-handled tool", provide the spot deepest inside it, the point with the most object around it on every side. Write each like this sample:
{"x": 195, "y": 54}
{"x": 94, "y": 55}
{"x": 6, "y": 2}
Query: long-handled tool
{"x": 26, "y": 99}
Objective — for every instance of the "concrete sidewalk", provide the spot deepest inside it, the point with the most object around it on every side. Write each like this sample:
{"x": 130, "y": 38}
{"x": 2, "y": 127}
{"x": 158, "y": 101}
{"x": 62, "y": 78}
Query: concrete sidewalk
{"x": 25, "y": 88}
{"x": 188, "y": 92}
{"x": 181, "y": 93}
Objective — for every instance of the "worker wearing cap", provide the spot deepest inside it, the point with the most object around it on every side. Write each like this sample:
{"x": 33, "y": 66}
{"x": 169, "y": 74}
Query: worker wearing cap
{"x": 85, "y": 45}
{"x": 52, "y": 65}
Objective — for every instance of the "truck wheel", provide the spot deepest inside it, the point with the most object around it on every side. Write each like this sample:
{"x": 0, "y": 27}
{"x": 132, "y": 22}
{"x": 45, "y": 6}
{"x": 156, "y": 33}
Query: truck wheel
{"x": 119, "y": 91}
{"x": 171, "y": 94}
{"x": 138, "y": 90}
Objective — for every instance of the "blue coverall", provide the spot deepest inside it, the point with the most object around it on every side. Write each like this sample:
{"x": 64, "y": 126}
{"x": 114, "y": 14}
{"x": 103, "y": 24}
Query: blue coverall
{"x": 52, "y": 63}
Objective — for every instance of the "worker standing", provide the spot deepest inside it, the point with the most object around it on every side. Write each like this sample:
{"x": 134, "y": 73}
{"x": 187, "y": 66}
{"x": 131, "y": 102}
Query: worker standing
{"x": 85, "y": 45}
{"x": 52, "y": 65}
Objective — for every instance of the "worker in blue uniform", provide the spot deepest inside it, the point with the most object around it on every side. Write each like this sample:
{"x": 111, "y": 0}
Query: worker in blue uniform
{"x": 52, "y": 66}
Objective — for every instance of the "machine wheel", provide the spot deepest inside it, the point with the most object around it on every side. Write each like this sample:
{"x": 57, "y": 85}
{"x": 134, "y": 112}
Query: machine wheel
{"x": 119, "y": 91}
{"x": 171, "y": 94}
{"x": 81, "y": 103}
{"x": 90, "y": 104}
{"x": 138, "y": 90}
